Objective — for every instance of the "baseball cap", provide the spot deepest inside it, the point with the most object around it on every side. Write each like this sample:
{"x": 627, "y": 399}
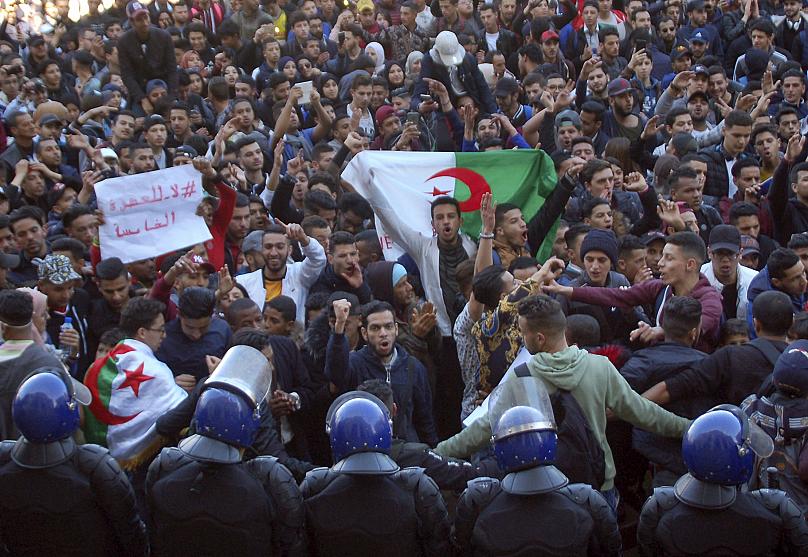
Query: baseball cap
{"x": 651, "y": 237}
{"x": 35, "y": 40}
{"x": 49, "y": 119}
{"x": 699, "y": 36}
{"x": 506, "y": 86}
{"x": 55, "y": 269}
{"x": 567, "y": 117}
{"x": 701, "y": 69}
{"x": 749, "y": 245}
{"x": 696, "y": 94}
{"x": 153, "y": 120}
{"x": 363, "y": 5}
{"x": 680, "y": 51}
{"x": 154, "y": 84}
{"x": 447, "y": 49}
{"x": 203, "y": 263}
{"x": 254, "y": 241}
{"x": 135, "y": 8}
{"x": 618, "y": 87}
{"x": 790, "y": 374}
{"x": 549, "y": 35}
{"x": 383, "y": 113}
{"x": 695, "y": 5}
{"x": 725, "y": 237}
{"x": 187, "y": 151}
{"x": 108, "y": 153}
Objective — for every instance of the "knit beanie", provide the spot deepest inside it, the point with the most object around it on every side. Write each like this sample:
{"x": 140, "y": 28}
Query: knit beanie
{"x": 601, "y": 240}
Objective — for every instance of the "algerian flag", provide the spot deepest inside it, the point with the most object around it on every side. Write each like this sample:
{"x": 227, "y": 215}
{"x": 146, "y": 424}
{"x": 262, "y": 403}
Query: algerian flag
{"x": 407, "y": 182}
{"x": 131, "y": 389}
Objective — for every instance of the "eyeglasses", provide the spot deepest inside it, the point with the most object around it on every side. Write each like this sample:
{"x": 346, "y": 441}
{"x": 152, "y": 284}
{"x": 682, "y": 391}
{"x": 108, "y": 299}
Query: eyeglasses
{"x": 161, "y": 330}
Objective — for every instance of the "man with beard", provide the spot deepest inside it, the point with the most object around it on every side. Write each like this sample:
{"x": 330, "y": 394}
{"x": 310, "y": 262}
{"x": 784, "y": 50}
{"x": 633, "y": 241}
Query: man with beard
{"x": 343, "y": 272}
{"x": 382, "y": 358}
{"x": 113, "y": 282}
{"x": 280, "y": 277}
{"x": 28, "y": 226}
{"x": 619, "y": 120}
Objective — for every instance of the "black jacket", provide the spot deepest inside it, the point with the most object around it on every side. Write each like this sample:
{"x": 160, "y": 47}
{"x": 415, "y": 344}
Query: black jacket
{"x": 541, "y": 223}
{"x": 329, "y": 283}
{"x": 142, "y": 62}
{"x": 470, "y": 75}
{"x": 507, "y": 44}
{"x": 790, "y": 216}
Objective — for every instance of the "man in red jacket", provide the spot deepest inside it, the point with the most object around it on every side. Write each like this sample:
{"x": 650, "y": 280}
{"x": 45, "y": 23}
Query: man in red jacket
{"x": 679, "y": 267}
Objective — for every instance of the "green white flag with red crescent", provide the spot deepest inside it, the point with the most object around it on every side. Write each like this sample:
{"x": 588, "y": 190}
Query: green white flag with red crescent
{"x": 401, "y": 186}
{"x": 131, "y": 389}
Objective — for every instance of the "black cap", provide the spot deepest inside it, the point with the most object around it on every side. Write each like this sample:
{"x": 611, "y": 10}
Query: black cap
{"x": 506, "y": 86}
{"x": 695, "y": 5}
{"x": 725, "y": 237}
{"x": 35, "y": 40}
{"x": 650, "y": 237}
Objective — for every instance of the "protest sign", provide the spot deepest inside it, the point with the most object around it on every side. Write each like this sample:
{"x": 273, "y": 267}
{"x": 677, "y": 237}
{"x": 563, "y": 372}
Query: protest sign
{"x": 151, "y": 214}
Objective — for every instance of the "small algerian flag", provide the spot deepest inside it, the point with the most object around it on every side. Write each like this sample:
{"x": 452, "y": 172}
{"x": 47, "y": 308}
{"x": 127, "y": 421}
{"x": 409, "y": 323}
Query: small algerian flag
{"x": 401, "y": 185}
{"x": 131, "y": 389}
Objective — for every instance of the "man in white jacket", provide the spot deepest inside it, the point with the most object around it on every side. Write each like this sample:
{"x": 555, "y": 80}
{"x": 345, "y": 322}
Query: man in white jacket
{"x": 279, "y": 276}
{"x": 725, "y": 272}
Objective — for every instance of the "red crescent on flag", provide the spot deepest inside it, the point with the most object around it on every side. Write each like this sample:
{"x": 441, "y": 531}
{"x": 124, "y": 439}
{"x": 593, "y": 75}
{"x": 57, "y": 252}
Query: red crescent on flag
{"x": 475, "y": 183}
{"x": 102, "y": 413}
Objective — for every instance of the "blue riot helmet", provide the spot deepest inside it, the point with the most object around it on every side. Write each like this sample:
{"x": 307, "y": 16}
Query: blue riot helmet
{"x": 46, "y": 407}
{"x": 360, "y": 429}
{"x": 522, "y": 424}
{"x": 720, "y": 446}
{"x": 228, "y": 412}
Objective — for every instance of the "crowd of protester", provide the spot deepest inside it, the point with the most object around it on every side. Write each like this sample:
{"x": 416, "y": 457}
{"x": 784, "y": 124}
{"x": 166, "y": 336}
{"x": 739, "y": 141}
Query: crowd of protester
{"x": 677, "y": 134}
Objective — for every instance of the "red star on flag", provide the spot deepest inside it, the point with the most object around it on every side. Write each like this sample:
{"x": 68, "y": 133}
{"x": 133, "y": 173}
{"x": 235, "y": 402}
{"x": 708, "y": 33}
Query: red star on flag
{"x": 134, "y": 378}
{"x": 436, "y": 192}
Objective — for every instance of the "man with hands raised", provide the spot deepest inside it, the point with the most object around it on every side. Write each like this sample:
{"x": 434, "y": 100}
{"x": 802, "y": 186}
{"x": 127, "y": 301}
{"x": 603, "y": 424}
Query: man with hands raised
{"x": 279, "y": 276}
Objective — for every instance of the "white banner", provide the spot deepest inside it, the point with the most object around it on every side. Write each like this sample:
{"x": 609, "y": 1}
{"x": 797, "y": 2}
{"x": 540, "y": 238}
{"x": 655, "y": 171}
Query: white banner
{"x": 151, "y": 214}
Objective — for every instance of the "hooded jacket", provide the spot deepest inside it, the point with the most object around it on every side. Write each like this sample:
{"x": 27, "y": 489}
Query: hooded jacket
{"x": 596, "y": 386}
{"x": 762, "y": 283}
{"x": 329, "y": 282}
{"x": 655, "y": 293}
{"x": 407, "y": 377}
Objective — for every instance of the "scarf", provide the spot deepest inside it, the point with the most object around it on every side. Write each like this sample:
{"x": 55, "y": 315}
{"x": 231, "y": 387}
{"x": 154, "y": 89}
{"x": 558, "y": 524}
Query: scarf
{"x": 449, "y": 257}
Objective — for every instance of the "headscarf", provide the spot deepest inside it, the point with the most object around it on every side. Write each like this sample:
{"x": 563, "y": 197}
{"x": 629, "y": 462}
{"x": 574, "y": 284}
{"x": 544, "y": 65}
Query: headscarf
{"x": 377, "y": 48}
{"x": 40, "y": 305}
{"x": 412, "y": 57}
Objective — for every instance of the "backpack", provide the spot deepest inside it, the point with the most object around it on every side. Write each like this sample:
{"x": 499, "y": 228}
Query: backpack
{"x": 788, "y": 428}
{"x": 579, "y": 456}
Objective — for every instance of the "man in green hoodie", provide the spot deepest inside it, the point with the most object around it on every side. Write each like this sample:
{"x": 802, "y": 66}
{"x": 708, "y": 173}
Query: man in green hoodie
{"x": 592, "y": 380}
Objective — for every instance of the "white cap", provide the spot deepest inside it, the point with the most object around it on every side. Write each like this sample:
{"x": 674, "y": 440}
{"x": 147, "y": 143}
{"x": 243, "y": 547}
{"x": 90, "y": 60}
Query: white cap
{"x": 447, "y": 49}
{"x": 108, "y": 153}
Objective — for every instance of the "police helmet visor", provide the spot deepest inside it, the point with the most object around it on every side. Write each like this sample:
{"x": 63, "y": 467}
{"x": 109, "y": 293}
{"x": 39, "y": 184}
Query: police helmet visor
{"x": 523, "y": 392}
{"x": 246, "y": 371}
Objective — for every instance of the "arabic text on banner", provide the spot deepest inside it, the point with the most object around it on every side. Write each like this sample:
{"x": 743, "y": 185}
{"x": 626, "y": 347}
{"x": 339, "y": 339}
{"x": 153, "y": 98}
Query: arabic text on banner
{"x": 151, "y": 214}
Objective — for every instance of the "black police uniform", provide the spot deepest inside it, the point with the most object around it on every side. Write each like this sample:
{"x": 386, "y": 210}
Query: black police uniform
{"x": 222, "y": 508}
{"x": 448, "y": 473}
{"x": 501, "y": 518}
{"x": 697, "y": 518}
{"x": 399, "y": 514}
{"x": 68, "y": 500}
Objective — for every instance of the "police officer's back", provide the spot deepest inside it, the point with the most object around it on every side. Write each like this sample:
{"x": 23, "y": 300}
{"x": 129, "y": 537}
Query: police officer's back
{"x": 57, "y": 497}
{"x": 203, "y": 500}
{"x": 365, "y": 505}
{"x": 706, "y": 513}
{"x": 533, "y": 511}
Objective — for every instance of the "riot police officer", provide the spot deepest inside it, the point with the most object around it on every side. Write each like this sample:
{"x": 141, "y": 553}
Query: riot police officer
{"x": 203, "y": 499}
{"x": 365, "y": 505}
{"x": 533, "y": 510}
{"x": 706, "y": 513}
{"x": 60, "y": 498}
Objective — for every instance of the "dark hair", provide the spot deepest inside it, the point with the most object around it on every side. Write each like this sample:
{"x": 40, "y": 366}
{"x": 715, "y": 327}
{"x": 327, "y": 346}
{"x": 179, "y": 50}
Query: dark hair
{"x": 284, "y": 305}
{"x": 674, "y": 113}
{"x": 590, "y": 204}
{"x": 139, "y": 313}
{"x": 196, "y": 302}
{"x": 762, "y": 24}
{"x": 16, "y": 308}
{"x": 543, "y": 314}
{"x": 361, "y": 81}
{"x": 678, "y": 174}
{"x": 499, "y": 212}
{"x": 75, "y": 247}
{"x": 443, "y": 200}
{"x": 583, "y": 330}
{"x": 741, "y": 209}
{"x": 380, "y": 389}
{"x": 340, "y": 238}
{"x": 255, "y": 338}
{"x": 681, "y": 315}
{"x": 691, "y": 245}
{"x": 798, "y": 241}
{"x": 26, "y": 212}
{"x": 376, "y": 306}
{"x": 318, "y": 200}
{"x": 575, "y": 231}
{"x": 763, "y": 128}
{"x": 773, "y": 311}
{"x": 783, "y": 110}
{"x": 239, "y": 305}
{"x": 313, "y": 221}
{"x": 323, "y": 178}
{"x": 228, "y": 28}
{"x": 522, "y": 262}
{"x": 607, "y": 30}
{"x": 594, "y": 107}
{"x": 792, "y": 175}
{"x": 591, "y": 168}
{"x": 732, "y": 327}
{"x": 111, "y": 337}
{"x": 531, "y": 52}
{"x": 354, "y": 202}
{"x": 780, "y": 261}
{"x": 74, "y": 212}
{"x": 799, "y": 329}
{"x": 110, "y": 269}
{"x": 738, "y": 118}
{"x": 487, "y": 285}
{"x": 629, "y": 243}
{"x": 751, "y": 162}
